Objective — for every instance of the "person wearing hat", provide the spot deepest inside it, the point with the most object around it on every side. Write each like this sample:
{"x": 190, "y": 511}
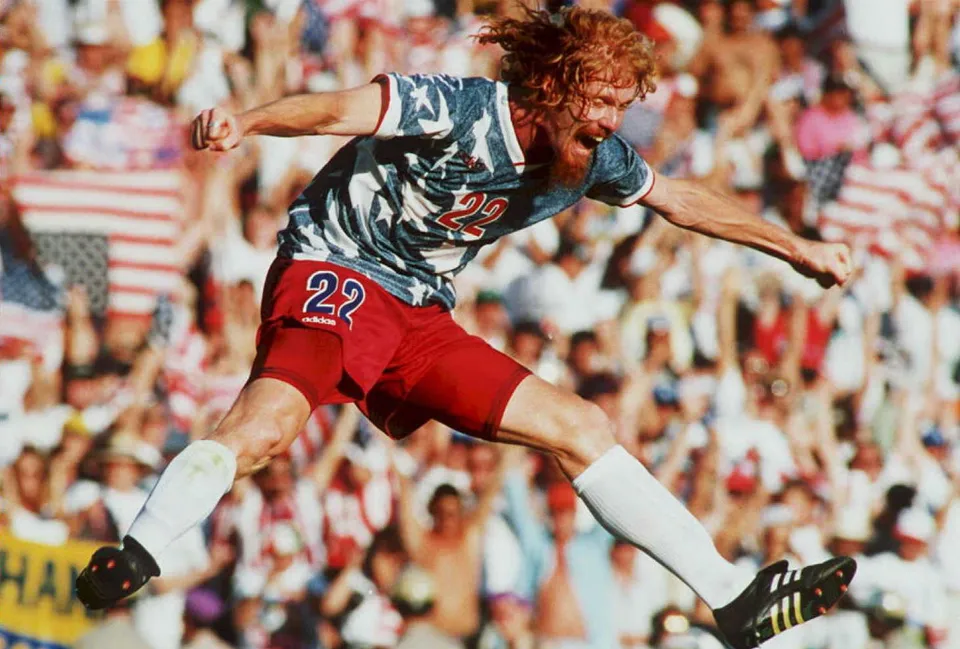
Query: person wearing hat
{"x": 105, "y": 509}
{"x": 203, "y": 610}
{"x": 910, "y": 574}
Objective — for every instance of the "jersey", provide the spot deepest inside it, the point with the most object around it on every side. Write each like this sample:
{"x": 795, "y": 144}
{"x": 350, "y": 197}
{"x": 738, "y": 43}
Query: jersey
{"x": 442, "y": 176}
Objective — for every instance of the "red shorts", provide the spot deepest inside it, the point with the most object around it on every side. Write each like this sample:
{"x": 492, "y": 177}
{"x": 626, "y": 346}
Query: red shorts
{"x": 403, "y": 365}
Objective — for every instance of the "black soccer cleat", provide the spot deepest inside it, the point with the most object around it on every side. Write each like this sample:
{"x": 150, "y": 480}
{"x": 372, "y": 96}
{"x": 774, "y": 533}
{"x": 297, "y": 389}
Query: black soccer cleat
{"x": 779, "y": 599}
{"x": 114, "y": 573}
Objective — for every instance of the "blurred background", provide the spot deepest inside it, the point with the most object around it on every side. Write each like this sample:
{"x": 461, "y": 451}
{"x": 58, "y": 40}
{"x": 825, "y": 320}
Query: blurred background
{"x": 795, "y": 423}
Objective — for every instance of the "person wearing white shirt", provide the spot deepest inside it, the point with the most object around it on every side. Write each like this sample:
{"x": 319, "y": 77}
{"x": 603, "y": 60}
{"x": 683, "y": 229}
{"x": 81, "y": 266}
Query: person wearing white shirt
{"x": 561, "y": 293}
{"x": 29, "y": 508}
{"x": 633, "y": 604}
{"x": 245, "y": 253}
{"x": 910, "y": 574}
{"x": 158, "y": 614}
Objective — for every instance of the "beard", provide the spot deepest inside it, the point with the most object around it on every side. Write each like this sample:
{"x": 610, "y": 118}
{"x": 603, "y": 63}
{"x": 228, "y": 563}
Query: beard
{"x": 570, "y": 166}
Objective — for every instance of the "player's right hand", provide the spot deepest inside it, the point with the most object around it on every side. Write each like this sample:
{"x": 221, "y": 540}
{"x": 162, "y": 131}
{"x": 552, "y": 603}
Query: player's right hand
{"x": 215, "y": 129}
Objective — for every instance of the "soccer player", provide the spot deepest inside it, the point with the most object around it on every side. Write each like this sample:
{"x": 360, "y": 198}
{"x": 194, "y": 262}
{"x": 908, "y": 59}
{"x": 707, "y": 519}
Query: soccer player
{"x": 357, "y": 306}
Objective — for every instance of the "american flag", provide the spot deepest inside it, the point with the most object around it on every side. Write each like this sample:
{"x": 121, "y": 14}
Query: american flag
{"x": 31, "y": 306}
{"x": 115, "y": 232}
{"x": 125, "y": 134}
{"x": 888, "y": 211}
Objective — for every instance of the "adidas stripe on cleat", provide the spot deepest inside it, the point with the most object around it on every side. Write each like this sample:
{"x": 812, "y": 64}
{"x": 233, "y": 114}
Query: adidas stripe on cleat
{"x": 779, "y": 599}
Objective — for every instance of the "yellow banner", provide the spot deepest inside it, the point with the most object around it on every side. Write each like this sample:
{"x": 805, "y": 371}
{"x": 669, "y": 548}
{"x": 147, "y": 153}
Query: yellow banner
{"x": 38, "y": 606}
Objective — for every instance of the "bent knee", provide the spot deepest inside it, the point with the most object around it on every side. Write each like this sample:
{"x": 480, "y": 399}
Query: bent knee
{"x": 261, "y": 424}
{"x": 583, "y": 432}
{"x": 254, "y": 443}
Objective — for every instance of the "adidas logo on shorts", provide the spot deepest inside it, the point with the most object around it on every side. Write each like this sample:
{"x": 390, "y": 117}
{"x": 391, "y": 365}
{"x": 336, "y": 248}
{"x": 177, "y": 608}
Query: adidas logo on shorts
{"x": 319, "y": 320}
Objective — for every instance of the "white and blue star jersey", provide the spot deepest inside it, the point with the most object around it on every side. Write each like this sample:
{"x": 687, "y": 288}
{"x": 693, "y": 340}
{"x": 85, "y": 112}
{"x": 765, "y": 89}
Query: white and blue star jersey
{"x": 442, "y": 176}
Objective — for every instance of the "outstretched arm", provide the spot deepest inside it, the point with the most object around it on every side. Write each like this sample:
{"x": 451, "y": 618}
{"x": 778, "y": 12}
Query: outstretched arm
{"x": 356, "y": 111}
{"x": 692, "y": 205}
{"x": 487, "y": 497}
{"x": 411, "y": 531}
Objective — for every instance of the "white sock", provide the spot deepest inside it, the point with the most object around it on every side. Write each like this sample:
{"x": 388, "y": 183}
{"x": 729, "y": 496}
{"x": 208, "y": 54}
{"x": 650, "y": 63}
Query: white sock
{"x": 187, "y": 492}
{"x": 632, "y": 505}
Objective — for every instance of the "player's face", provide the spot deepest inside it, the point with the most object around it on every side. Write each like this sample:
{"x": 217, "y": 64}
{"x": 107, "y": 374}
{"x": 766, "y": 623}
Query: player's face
{"x": 576, "y": 130}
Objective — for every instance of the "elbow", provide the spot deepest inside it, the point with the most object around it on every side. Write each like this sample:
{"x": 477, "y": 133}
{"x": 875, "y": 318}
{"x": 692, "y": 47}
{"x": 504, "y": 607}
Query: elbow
{"x": 331, "y": 113}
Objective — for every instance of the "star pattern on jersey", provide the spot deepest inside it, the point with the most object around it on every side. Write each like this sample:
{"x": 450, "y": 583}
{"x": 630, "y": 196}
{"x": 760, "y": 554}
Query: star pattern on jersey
{"x": 377, "y": 206}
{"x": 418, "y": 292}
{"x": 442, "y": 125}
{"x": 481, "y": 149}
{"x": 420, "y": 99}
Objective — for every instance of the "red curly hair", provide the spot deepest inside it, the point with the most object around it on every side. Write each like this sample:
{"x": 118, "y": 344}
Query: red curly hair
{"x": 552, "y": 56}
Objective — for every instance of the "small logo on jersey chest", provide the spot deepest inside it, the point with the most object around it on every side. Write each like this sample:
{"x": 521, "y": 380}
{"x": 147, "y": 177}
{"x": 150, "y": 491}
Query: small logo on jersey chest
{"x": 473, "y": 163}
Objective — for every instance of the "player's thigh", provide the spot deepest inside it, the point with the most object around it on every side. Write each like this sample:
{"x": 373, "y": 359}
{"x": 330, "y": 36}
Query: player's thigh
{"x": 542, "y": 416}
{"x": 296, "y": 369}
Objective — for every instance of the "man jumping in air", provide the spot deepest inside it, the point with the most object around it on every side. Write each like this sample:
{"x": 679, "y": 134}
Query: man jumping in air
{"x": 357, "y": 306}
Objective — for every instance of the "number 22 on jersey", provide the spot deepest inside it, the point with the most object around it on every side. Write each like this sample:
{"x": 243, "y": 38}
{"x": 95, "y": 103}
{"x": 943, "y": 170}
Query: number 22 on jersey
{"x": 473, "y": 213}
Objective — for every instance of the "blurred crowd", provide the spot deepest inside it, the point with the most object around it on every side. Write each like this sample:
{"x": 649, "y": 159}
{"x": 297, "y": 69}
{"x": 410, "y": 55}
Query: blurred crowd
{"x": 794, "y": 422}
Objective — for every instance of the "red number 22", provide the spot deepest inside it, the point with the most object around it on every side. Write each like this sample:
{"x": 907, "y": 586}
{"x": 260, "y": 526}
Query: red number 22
{"x": 474, "y": 203}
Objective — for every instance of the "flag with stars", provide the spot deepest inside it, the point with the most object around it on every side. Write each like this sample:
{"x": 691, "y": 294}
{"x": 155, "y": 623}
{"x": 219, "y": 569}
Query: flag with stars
{"x": 442, "y": 176}
{"x": 117, "y": 233}
{"x": 31, "y": 306}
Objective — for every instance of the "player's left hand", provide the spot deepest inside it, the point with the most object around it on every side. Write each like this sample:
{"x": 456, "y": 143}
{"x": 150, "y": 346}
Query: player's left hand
{"x": 828, "y": 263}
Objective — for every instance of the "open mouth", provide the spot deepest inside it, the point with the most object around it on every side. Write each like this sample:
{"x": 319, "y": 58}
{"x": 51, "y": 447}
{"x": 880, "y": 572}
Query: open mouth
{"x": 589, "y": 142}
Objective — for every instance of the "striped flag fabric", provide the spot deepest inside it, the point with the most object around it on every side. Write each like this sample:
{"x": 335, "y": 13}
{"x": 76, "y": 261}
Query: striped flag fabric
{"x": 115, "y": 232}
{"x": 888, "y": 211}
{"x": 947, "y": 105}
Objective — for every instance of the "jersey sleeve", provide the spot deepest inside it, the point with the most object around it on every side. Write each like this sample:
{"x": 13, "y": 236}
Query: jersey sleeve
{"x": 624, "y": 177}
{"x": 420, "y": 105}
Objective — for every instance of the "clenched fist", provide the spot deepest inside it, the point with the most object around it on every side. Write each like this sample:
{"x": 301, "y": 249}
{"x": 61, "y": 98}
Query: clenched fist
{"x": 828, "y": 263}
{"x": 215, "y": 129}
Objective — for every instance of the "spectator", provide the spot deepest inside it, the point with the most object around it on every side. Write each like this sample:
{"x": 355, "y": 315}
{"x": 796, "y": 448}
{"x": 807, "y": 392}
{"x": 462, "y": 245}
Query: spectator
{"x": 415, "y": 595}
{"x": 359, "y": 596}
{"x": 569, "y": 575}
{"x": 203, "y": 609}
{"x": 832, "y": 127}
{"x": 451, "y": 551}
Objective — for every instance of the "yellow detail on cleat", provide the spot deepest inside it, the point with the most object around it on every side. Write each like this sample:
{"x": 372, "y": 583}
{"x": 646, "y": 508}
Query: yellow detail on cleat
{"x": 774, "y": 612}
{"x": 796, "y": 608}
{"x": 785, "y": 607}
